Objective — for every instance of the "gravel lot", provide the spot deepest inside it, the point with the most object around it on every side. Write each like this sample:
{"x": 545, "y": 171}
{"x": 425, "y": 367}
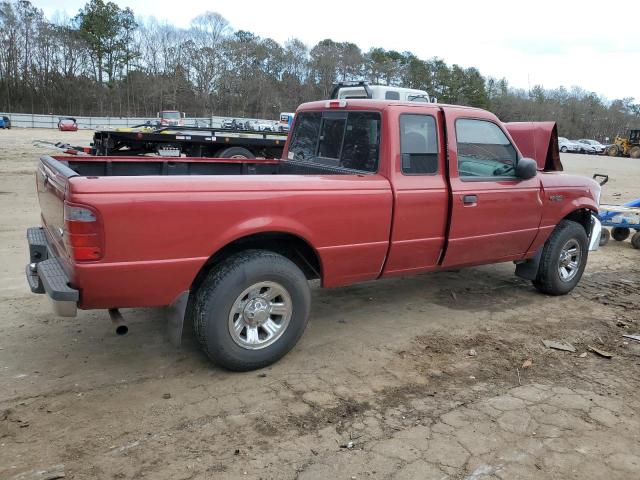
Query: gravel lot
{"x": 382, "y": 385}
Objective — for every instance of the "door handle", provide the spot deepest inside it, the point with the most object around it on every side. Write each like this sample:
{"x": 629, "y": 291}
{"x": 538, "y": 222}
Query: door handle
{"x": 470, "y": 200}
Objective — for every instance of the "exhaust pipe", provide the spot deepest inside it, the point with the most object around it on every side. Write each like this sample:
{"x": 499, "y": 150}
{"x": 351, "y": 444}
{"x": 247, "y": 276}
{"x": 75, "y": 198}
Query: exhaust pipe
{"x": 118, "y": 321}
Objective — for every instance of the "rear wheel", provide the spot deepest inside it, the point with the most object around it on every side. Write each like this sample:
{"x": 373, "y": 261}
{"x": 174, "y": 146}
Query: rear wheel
{"x": 564, "y": 257}
{"x": 635, "y": 152}
{"x": 605, "y": 236}
{"x": 635, "y": 240}
{"x": 251, "y": 310}
{"x": 563, "y": 149}
{"x": 236, "y": 152}
{"x": 620, "y": 233}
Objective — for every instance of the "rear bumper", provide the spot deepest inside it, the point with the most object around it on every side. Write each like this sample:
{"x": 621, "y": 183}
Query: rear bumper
{"x": 45, "y": 275}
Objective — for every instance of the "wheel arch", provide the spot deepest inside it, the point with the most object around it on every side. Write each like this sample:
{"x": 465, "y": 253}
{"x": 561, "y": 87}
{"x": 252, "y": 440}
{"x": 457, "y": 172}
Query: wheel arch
{"x": 581, "y": 216}
{"x": 289, "y": 245}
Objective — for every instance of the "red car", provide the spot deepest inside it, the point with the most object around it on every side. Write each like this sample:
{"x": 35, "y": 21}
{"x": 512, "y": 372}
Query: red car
{"x": 67, "y": 124}
{"x": 366, "y": 190}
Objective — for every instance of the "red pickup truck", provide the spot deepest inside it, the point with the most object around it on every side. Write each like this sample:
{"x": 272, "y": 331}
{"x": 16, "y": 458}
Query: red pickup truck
{"x": 366, "y": 190}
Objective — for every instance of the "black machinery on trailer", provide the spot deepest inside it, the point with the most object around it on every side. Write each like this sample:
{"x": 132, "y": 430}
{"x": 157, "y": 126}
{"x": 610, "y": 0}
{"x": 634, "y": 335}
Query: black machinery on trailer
{"x": 190, "y": 141}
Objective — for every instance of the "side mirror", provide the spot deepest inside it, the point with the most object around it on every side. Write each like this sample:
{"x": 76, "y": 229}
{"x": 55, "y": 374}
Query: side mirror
{"x": 526, "y": 168}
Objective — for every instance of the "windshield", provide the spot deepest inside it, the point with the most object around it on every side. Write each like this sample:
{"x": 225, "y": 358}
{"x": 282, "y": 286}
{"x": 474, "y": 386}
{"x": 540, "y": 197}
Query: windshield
{"x": 171, "y": 115}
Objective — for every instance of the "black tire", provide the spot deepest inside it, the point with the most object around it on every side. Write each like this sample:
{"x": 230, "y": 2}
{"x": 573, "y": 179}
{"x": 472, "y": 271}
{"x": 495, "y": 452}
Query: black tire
{"x": 620, "y": 234}
{"x": 548, "y": 279}
{"x": 635, "y": 240}
{"x": 223, "y": 286}
{"x": 605, "y": 236}
{"x": 635, "y": 152}
{"x": 236, "y": 152}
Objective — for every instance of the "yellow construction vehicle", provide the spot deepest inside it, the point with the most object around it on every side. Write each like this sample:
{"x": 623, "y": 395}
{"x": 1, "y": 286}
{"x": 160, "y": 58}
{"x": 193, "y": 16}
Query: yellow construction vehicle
{"x": 626, "y": 146}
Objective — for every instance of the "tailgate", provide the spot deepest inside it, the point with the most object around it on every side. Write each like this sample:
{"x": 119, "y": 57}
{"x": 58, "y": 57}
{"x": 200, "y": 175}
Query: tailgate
{"x": 51, "y": 182}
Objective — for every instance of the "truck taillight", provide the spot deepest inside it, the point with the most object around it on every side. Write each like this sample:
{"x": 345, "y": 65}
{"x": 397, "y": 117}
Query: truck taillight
{"x": 82, "y": 233}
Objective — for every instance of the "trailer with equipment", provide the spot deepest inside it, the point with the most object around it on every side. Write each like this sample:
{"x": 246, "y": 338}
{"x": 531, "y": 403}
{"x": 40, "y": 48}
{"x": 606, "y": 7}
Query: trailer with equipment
{"x": 621, "y": 218}
{"x": 191, "y": 141}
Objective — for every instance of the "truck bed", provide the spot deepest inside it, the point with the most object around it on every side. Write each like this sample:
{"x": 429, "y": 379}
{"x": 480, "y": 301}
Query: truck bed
{"x": 162, "y": 218}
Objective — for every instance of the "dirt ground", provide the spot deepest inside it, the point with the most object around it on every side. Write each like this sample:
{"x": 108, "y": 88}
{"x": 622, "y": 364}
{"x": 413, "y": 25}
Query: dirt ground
{"x": 412, "y": 378}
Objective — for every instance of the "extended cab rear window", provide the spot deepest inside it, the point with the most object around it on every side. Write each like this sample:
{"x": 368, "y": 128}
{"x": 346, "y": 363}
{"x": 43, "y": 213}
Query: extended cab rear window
{"x": 418, "y": 144}
{"x": 349, "y": 140}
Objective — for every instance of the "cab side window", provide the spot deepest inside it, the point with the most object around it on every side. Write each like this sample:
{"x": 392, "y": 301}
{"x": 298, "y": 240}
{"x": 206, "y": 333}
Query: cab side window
{"x": 418, "y": 144}
{"x": 484, "y": 151}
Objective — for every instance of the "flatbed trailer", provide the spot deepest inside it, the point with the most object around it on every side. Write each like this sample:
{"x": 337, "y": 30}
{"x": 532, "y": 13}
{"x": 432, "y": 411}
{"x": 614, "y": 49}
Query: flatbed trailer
{"x": 191, "y": 141}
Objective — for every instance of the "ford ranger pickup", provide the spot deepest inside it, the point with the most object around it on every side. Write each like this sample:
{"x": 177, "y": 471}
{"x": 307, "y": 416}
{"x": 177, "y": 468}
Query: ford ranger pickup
{"x": 365, "y": 190}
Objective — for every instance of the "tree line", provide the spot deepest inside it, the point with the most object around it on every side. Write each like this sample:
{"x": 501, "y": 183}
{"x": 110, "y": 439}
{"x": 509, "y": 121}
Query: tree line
{"x": 104, "y": 62}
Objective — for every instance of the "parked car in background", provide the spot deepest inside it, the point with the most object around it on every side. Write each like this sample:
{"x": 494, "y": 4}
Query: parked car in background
{"x": 585, "y": 147}
{"x": 235, "y": 124}
{"x": 597, "y": 146}
{"x": 67, "y": 124}
{"x": 5, "y": 122}
{"x": 264, "y": 126}
{"x": 566, "y": 145}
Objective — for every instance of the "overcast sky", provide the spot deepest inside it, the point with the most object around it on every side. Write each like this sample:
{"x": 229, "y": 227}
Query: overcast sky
{"x": 545, "y": 42}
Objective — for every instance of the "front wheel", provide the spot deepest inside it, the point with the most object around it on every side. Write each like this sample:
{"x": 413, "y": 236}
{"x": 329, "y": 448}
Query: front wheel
{"x": 564, "y": 257}
{"x": 251, "y": 310}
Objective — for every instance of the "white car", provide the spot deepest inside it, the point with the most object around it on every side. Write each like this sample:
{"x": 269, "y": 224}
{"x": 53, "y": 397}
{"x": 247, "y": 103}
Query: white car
{"x": 263, "y": 126}
{"x": 597, "y": 146}
{"x": 566, "y": 145}
{"x": 585, "y": 147}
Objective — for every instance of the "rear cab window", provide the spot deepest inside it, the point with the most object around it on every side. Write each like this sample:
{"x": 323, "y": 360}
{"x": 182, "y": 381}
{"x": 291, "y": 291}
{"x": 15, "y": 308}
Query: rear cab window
{"x": 418, "y": 144}
{"x": 345, "y": 139}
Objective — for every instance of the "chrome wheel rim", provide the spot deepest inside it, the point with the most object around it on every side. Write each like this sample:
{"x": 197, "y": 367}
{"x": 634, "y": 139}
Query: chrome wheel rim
{"x": 260, "y": 315}
{"x": 569, "y": 261}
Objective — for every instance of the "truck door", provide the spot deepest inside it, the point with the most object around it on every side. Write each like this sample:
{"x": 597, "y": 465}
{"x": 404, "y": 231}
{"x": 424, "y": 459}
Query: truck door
{"x": 494, "y": 215}
{"x": 417, "y": 169}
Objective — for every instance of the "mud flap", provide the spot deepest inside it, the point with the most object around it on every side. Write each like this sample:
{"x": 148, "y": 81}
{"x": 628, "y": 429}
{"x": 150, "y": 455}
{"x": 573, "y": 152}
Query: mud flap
{"x": 529, "y": 268}
{"x": 175, "y": 318}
